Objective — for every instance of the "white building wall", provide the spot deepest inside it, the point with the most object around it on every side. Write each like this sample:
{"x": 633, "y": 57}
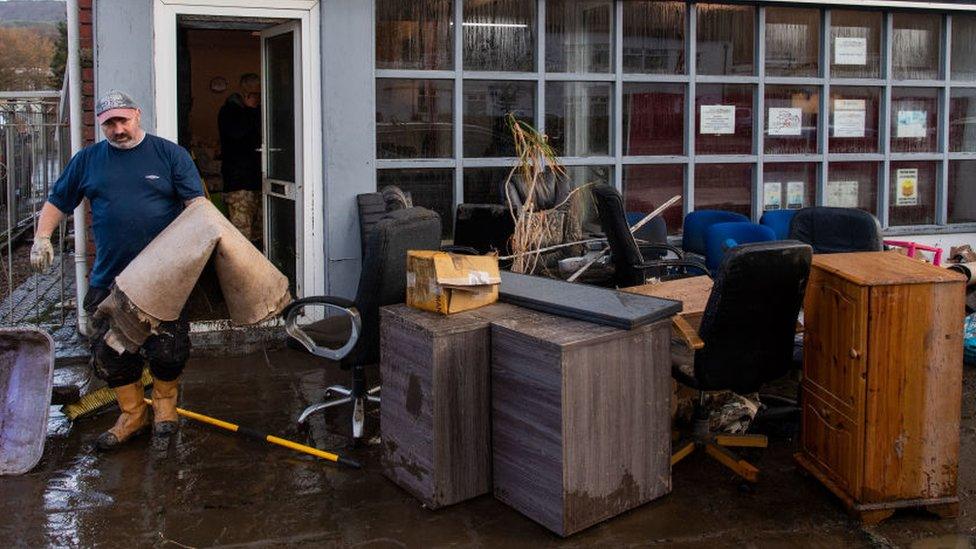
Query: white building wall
{"x": 348, "y": 134}
{"x": 123, "y": 53}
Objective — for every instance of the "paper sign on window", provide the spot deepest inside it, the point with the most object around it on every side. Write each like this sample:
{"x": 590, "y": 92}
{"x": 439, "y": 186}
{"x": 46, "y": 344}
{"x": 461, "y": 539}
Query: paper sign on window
{"x": 841, "y": 194}
{"x": 772, "y": 195}
{"x": 850, "y": 51}
{"x": 784, "y": 121}
{"x": 794, "y": 195}
{"x": 717, "y": 120}
{"x": 906, "y": 187}
{"x": 911, "y": 124}
{"x": 849, "y": 116}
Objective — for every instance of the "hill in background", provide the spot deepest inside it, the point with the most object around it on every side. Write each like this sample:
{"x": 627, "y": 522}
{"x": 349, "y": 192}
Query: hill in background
{"x": 43, "y": 14}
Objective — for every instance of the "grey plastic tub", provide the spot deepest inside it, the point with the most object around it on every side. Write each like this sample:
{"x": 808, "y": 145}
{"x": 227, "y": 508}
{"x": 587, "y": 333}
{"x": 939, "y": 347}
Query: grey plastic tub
{"x": 26, "y": 375}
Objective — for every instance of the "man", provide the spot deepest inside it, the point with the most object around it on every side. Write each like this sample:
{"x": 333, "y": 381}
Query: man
{"x": 137, "y": 184}
{"x": 239, "y": 124}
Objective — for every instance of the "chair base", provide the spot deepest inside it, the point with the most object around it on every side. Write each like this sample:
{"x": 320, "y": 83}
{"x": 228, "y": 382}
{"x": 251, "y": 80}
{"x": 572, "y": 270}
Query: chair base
{"x": 357, "y": 395}
{"x": 715, "y": 445}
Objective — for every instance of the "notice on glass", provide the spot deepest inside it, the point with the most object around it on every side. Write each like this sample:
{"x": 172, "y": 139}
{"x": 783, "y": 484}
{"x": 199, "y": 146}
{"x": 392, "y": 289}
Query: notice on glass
{"x": 850, "y": 51}
{"x": 784, "y": 121}
{"x": 794, "y": 195}
{"x": 772, "y": 195}
{"x": 911, "y": 124}
{"x": 841, "y": 194}
{"x": 906, "y": 185}
{"x": 717, "y": 120}
{"x": 849, "y": 118}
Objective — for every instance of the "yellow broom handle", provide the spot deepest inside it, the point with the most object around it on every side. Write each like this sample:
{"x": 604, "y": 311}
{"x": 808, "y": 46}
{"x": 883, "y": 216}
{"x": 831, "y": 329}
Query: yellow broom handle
{"x": 257, "y": 435}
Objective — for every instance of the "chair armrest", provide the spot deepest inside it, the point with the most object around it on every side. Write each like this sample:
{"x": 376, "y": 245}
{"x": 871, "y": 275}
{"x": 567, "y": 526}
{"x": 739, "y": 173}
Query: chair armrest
{"x": 666, "y": 247}
{"x": 462, "y": 250}
{"x": 292, "y": 311}
{"x": 676, "y": 263}
{"x": 688, "y": 334}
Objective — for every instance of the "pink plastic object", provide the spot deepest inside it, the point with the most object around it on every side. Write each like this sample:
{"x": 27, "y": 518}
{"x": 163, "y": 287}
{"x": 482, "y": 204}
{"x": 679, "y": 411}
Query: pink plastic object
{"x": 913, "y": 246}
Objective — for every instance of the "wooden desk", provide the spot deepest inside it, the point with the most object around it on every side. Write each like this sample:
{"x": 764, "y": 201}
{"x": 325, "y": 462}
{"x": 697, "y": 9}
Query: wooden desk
{"x": 882, "y": 382}
{"x": 692, "y": 292}
{"x": 434, "y": 413}
{"x": 581, "y": 423}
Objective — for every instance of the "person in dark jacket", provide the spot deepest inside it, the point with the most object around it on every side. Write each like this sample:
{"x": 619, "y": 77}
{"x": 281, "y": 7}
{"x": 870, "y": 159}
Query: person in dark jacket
{"x": 239, "y": 124}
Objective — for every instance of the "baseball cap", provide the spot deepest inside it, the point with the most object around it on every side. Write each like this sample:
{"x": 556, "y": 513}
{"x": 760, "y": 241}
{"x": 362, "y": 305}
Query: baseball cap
{"x": 115, "y": 104}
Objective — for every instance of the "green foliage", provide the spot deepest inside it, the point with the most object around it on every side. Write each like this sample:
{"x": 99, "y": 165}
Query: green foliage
{"x": 59, "y": 59}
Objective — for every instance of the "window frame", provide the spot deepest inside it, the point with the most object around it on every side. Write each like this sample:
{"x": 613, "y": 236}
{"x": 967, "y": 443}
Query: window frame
{"x": 822, "y": 158}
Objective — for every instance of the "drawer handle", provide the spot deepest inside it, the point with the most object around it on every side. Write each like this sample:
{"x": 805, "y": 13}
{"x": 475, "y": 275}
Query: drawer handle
{"x": 855, "y": 353}
{"x": 825, "y": 416}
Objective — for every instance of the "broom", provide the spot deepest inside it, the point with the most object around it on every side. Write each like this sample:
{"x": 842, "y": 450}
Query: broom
{"x": 97, "y": 399}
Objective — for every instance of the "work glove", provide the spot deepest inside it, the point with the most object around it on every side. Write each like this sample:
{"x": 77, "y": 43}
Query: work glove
{"x": 42, "y": 254}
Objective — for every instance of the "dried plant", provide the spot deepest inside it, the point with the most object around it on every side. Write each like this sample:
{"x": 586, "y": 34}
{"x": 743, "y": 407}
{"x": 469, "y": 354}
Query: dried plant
{"x": 536, "y": 228}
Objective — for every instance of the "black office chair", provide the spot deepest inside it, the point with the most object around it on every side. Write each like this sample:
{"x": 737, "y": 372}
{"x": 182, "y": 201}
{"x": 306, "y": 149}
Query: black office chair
{"x": 357, "y": 330}
{"x": 745, "y": 339}
{"x": 630, "y": 266}
{"x": 484, "y": 227}
{"x": 836, "y": 230}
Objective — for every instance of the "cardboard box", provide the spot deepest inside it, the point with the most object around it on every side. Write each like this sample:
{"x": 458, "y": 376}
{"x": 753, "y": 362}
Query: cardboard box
{"x": 449, "y": 283}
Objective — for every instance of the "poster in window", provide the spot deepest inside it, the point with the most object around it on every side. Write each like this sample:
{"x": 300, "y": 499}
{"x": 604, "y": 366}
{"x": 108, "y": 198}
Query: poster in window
{"x": 794, "y": 195}
{"x": 785, "y": 121}
{"x": 717, "y": 120}
{"x": 906, "y": 185}
{"x": 911, "y": 124}
{"x": 841, "y": 194}
{"x": 849, "y": 50}
{"x": 849, "y": 116}
{"x": 772, "y": 195}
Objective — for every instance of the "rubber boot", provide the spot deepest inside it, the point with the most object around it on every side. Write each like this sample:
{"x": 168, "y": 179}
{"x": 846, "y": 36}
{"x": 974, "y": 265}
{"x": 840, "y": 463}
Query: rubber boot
{"x": 165, "y": 419}
{"x": 133, "y": 420}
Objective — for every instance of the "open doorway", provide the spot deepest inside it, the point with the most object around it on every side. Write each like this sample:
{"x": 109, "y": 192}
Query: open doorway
{"x": 226, "y": 68}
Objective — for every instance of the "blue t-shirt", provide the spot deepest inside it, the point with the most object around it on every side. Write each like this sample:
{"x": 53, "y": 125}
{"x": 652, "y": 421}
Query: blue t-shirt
{"x": 134, "y": 194}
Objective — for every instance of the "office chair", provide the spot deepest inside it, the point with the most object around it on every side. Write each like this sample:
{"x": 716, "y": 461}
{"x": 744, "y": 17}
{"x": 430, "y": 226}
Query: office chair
{"x": 837, "y": 230}
{"x": 381, "y": 282}
{"x": 373, "y": 206}
{"x": 484, "y": 227}
{"x": 779, "y": 221}
{"x": 745, "y": 338}
{"x": 722, "y": 236}
{"x": 697, "y": 222}
{"x": 654, "y": 231}
{"x": 630, "y": 267}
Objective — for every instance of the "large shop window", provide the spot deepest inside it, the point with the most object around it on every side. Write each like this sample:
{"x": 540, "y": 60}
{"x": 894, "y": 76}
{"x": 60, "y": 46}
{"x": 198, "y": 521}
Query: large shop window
{"x": 748, "y": 107}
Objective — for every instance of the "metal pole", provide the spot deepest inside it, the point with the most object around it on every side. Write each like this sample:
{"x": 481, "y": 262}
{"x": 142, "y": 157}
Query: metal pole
{"x": 10, "y": 222}
{"x": 80, "y": 213}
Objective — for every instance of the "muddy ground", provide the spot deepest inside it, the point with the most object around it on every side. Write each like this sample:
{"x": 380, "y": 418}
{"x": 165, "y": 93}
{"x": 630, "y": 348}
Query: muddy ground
{"x": 212, "y": 489}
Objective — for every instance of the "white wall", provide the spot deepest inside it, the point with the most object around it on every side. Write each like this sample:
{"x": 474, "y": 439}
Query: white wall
{"x": 349, "y": 141}
{"x": 123, "y": 53}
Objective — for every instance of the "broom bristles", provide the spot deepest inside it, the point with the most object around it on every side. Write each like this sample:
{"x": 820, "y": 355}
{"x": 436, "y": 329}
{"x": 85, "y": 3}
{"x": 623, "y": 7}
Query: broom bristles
{"x": 98, "y": 399}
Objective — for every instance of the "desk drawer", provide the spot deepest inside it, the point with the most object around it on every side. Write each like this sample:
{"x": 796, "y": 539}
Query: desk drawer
{"x": 835, "y": 341}
{"x": 832, "y": 440}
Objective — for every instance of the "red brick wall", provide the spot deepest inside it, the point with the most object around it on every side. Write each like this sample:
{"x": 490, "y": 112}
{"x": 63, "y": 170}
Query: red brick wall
{"x": 86, "y": 37}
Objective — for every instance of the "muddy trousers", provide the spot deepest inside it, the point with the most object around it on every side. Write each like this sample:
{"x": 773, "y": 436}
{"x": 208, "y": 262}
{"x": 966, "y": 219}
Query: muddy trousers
{"x": 166, "y": 351}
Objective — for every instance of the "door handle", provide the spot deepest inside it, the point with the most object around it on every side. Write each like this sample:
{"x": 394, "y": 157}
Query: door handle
{"x": 854, "y": 353}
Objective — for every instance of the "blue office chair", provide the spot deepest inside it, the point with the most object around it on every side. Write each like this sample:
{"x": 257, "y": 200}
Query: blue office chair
{"x": 779, "y": 221}
{"x": 697, "y": 222}
{"x": 723, "y": 236}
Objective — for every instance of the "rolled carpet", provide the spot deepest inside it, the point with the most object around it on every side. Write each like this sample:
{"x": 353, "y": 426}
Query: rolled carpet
{"x": 155, "y": 286}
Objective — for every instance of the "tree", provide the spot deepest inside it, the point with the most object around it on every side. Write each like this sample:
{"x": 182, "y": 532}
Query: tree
{"x": 59, "y": 59}
{"x": 25, "y": 59}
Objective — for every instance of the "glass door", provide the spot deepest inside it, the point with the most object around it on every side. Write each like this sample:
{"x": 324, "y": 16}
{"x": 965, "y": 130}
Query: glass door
{"x": 281, "y": 151}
